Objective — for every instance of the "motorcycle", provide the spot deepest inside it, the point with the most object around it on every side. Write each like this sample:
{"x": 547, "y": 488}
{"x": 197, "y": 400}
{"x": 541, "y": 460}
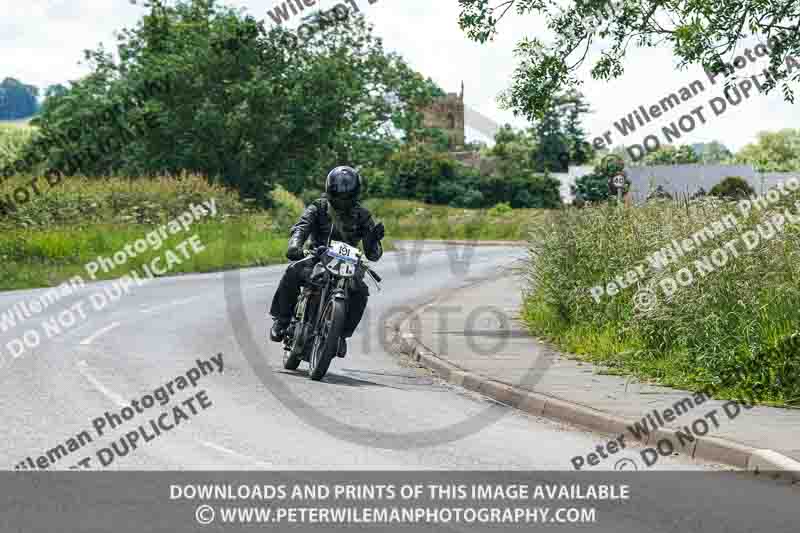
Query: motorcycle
{"x": 314, "y": 331}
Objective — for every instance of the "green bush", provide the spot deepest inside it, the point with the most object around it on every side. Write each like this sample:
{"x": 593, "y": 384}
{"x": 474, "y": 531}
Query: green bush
{"x": 732, "y": 187}
{"x": 591, "y": 188}
{"x": 501, "y": 209}
{"x": 287, "y": 209}
{"x": 419, "y": 172}
{"x": 309, "y": 195}
{"x": 82, "y": 201}
{"x": 594, "y": 187}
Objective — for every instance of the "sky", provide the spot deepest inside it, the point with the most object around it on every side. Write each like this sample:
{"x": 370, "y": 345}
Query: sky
{"x": 42, "y": 43}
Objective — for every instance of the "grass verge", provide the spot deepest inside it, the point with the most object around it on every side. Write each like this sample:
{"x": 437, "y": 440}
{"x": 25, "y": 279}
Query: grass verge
{"x": 62, "y": 228}
{"x": 407, "y": 220}
{"x": 725, "y": 330}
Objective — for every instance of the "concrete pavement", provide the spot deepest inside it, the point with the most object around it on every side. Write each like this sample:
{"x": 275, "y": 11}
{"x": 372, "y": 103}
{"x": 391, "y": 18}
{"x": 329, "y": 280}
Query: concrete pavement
{"x": 492, "y": 353}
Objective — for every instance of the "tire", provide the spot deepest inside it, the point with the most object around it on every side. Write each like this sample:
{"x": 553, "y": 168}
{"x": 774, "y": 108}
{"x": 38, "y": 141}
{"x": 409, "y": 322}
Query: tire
{"x": 290, "y": 360}
{"x": 326, "y": 344}
{"x": 293, "y": 354}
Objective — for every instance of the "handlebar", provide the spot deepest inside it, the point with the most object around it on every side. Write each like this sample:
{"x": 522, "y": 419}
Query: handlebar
{"x": 374, "y": 274}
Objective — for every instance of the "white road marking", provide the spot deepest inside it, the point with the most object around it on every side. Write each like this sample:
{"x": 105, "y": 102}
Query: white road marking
{"x": 235, "y": 454}
{"x": 185, "y": 300}
{"x": 154, "y": 308}
{"x": 83, "y": 368}
{"x": 168, "y": 304}
{"x": 263, "y": 285}
{"x": 99, "y": 332}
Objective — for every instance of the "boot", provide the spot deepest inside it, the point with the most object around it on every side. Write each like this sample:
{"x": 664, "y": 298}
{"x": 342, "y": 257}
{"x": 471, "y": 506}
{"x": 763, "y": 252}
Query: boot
{"x": 342, "y": 350}
{"x": 278, "y": 330}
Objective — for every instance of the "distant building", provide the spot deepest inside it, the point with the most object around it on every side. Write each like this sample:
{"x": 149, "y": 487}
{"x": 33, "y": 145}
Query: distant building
{"x": 679, "y": 180}
{"x": 447, "y": 114}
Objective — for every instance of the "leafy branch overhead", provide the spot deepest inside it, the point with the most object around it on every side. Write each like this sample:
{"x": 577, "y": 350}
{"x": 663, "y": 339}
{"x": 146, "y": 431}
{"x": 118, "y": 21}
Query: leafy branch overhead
{"x": 702, "y": 32}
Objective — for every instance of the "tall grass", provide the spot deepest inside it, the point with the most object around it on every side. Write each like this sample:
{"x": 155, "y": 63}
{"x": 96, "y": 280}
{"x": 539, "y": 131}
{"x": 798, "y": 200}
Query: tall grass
{"x": 411, "y": 220}
{"x": 713, "y": 332}
{"x": 52, "y": 237}
{"x": 13, "y": 138}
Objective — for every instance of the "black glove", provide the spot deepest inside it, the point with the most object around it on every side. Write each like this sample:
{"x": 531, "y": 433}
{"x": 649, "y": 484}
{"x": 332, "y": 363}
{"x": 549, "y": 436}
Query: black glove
{"x": 295, "y": 250}
{"x": 378, "y": 231}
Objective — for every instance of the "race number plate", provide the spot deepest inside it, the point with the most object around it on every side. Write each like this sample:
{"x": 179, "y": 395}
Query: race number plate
{"x": 343, "y": 259}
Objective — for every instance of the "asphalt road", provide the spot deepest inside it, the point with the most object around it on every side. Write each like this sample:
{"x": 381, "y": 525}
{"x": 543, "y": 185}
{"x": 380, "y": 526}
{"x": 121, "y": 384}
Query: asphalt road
{"x": 146, "y": 338}
{"x": 255, "y": 416}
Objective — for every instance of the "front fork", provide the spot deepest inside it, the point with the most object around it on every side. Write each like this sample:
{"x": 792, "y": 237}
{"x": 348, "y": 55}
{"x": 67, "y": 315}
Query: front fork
{"x": 340, "y": 292}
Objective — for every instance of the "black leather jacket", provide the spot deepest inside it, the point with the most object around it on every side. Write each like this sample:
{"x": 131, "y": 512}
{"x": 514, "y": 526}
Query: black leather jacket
{"x": 316, "y": 223}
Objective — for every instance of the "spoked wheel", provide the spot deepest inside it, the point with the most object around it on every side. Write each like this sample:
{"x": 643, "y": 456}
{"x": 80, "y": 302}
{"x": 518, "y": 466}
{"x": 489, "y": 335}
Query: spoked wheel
{"x": 327, "y": 342}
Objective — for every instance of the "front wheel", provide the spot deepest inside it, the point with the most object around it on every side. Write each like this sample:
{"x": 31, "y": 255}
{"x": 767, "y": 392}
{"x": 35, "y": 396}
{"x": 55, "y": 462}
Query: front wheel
{"x": 290, "y": 359}
{"x": 327, "y": 342}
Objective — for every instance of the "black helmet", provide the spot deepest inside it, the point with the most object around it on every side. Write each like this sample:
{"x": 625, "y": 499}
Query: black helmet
{"x": 342, "y": 187}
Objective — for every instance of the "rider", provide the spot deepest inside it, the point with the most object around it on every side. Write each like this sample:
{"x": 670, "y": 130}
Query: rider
{"x": 338, "y": 215}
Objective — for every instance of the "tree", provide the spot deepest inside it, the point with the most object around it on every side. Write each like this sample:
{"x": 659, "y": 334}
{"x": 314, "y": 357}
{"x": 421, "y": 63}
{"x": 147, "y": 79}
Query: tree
{"x": 713, "y": 153}
{"x": 515, "y": 180}
{"x": 591, "y": 187}
{"x": 669, "y": 155}
{"x": 419, "y": 171}
{"x": 733, "y": 188}
{"x": 773, "y": 151}
{"x": 551, "y": 154}
{"x": 594, "y": 187}
{"x": 618, "y": 151}
{"x": 580, "y": 151}
{"x": 196, "y": 86}
{"x": 476, "y": 146}
{"x": 701, "y": 32}
{"x": 560, "y": 137}
{"x": 54, "y": 91}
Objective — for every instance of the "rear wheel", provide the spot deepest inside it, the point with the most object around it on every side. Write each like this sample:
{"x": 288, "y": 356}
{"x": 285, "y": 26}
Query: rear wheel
{"x": 327, "y": 342}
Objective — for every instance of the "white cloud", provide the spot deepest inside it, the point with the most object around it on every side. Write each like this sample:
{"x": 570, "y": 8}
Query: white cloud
{"x": 43, "y": 42}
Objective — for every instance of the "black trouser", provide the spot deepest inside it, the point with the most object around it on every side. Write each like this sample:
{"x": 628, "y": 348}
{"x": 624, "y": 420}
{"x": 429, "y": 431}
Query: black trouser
{"x": 297, "y": 274}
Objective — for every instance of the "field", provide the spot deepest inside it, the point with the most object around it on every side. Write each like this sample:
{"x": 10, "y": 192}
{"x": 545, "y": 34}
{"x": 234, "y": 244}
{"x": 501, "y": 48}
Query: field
{"x": 52, "y": 237}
